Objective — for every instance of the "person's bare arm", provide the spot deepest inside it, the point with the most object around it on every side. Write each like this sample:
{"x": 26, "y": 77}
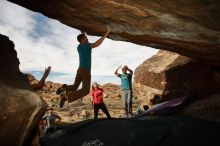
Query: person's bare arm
{"x": 41, "y": 83}
{"x": 44, "y": 117}
{"x": 116, "y": 71}
{"x": 99, "y": 41}
{"x": 129, "y": 70}
{"x": 104, "y": 94}
{"x": 91, "y": 99}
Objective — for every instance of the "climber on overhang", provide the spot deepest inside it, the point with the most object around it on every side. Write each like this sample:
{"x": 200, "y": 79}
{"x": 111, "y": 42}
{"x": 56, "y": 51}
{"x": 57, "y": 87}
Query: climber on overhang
{"x": 70, "y": 92}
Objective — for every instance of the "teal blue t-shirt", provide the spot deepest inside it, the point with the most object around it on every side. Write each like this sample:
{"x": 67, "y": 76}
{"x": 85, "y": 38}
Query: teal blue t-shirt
{"x": 85, "y": 55}
{"x": 126, "y": 81}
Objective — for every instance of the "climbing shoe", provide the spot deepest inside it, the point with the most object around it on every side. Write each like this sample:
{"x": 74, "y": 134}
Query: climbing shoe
{"x": 61, "y": 89}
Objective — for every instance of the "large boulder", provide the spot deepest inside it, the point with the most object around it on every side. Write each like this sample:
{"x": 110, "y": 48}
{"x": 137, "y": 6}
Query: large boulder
{"x": 21, "y": 109}
{"x": 170, "y": 75}
{"x": 190, "y": 28}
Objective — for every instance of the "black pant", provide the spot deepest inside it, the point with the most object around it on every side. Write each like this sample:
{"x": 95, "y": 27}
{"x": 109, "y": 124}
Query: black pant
{"x": 103, "y": 108}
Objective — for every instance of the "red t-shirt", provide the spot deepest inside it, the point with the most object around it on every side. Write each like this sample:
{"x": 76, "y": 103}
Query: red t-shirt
{"x": 97, "y": 95}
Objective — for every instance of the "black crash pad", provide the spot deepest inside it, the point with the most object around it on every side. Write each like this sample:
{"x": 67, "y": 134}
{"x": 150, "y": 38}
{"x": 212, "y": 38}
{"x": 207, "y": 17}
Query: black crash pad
{"x": 145, "y": 131}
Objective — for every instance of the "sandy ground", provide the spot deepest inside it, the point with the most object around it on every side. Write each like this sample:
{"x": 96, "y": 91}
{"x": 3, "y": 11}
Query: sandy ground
{"x": 82, "y": 109}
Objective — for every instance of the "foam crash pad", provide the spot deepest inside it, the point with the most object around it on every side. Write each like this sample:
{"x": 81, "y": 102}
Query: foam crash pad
{"x": 146, "y": 131}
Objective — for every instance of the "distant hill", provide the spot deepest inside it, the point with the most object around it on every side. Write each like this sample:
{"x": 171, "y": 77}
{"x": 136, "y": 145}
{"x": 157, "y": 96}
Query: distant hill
{"x": 62, "y": 78}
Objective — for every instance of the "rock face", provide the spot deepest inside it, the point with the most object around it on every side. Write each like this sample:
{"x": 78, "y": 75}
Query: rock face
{"x": 207, "y": 109}
{"x": 20, "y": 107}
{"x": 173, "y": 74}
{"x": 190, "y": 28}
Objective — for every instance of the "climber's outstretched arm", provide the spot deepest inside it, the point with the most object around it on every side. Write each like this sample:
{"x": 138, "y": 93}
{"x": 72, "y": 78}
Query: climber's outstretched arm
{"x": 99, "y": 41}
{"x": 41, "y": 83}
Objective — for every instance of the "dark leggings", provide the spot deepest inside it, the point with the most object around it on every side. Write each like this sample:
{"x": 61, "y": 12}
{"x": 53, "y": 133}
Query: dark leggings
{"x": 103, "y": 108}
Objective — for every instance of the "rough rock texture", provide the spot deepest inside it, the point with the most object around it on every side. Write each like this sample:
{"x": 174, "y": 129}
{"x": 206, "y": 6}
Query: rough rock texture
{"x": 173, "y": 74}
{"x": 20, "y": 108}
{"x": 207, "y": 109}
{"x": 191, "y": 28}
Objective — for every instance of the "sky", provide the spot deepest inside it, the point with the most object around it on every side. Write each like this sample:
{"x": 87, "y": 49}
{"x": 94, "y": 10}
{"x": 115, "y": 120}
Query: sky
{"x": 41, "y": 42}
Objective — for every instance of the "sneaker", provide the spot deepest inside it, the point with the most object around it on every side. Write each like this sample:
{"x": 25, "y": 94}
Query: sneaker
{"x": 61, "y": 89}
{"x": 63, "y": 100}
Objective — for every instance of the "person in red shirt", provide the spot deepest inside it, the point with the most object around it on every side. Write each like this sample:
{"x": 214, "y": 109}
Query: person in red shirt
{"x": 97, "y": 100}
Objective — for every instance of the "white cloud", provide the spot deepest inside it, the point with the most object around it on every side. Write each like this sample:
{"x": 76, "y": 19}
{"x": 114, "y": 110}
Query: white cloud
{"x": 41, "y": 42}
